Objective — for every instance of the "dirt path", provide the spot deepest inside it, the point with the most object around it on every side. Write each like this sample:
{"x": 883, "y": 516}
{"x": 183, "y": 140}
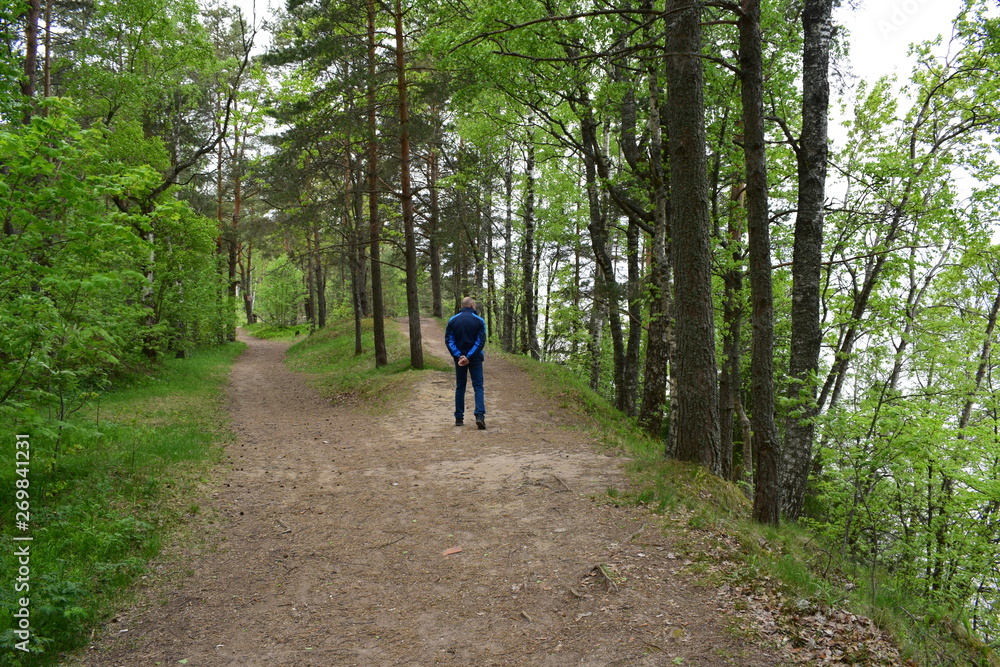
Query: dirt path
{"x": 334, "y": 527}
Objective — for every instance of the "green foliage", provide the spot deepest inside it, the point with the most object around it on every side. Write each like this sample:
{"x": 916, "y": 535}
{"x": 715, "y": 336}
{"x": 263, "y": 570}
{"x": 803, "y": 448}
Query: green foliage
{"x": 905, "y": 479}
{"x": 11, "y": 102}
{"x": 280, "y": 293}
{"x": 66, "y": 289}
{"x": 274, "y": 331}
{"x": 134, "y": 61}
{"x": 188, "y": 297}
{"x": 328, "y": 359}
{"x": 76, "y": 303}
{"x": 808, "y": 564}
{"x": 101, "y": 507}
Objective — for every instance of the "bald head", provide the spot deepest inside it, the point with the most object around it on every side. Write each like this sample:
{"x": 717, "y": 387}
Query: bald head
{"x": 468, "y": 302}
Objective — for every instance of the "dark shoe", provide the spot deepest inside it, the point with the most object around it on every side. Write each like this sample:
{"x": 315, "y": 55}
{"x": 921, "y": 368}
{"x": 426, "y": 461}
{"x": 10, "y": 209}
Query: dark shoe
{"x": 459, "y": 422}
{"x": 481, "y": 423}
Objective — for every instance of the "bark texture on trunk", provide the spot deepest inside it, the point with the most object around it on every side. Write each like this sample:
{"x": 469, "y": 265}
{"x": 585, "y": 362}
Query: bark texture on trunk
{"x": 604, "y": 280}
{"x": 807, "y": 253}
{"x": 434, "y": 245}
{"x": 374, "y": 223}
{"x": 529, "y": 341}
{"x": 507, "y": 330}
{"x": 406, "y": 195}
{"x": 658, "y": 341}
{"x": 767, "y": 493}
{"x": 32, "y": 15}
{"x": 697, "y": 391}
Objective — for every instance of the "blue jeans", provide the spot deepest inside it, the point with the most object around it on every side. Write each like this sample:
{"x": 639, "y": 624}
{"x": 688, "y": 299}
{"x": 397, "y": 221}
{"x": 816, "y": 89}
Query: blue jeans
{"x": 462, "y": 373}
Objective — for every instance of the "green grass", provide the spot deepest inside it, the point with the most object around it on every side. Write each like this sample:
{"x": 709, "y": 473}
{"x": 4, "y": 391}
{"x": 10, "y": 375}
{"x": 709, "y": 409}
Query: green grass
{"x": 101, "y": 509}
{"x": 711, "y": 517}
{"x": 657, "y": 482}
{"x": 276, "y": 331}
{"x": 328, "y": 359}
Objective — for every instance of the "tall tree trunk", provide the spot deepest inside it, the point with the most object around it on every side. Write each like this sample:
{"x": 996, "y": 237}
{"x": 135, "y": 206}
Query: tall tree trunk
{"x": 355, "y": 256}
{"x": 433, "y": 231}
{"x": 406, "y": 195}
{"x": 47, "y": 64}
{"x": 577, "y": 322}
{"x": 807, "y": 252}
{"x": 596, "y": 330}
{"x": 604, "y": 281}
{"x": 529, "y": 339}
{"x": 234, "y": 227}
{"x": 458, "y": 276}
{"x": 630, "y": 371}
{"x": 320, "y": 281}
{"x": 221, "y": 242}
{"x": 31, "y": 17}
{"x": 491, "y": 285}
{"x": 658, "y": 340}
{"x": 551, "y": 277}
{"x": 310, "y": 276}
{"x": 246, "y": 284}
{"x": 767, "y": 493}
{"x": 732, "y": 316}
{"x": 507, "y": 336}
{"x": 697, "y": 391}
{"x": 374, "y": 223}
{"x": 478, "y": 247}
{"x": 233, "y": 233}
{"x": 360, "y": 239}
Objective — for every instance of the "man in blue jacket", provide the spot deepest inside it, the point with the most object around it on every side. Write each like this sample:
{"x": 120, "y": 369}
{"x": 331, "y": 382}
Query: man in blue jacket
{"x": 465, "y": 336}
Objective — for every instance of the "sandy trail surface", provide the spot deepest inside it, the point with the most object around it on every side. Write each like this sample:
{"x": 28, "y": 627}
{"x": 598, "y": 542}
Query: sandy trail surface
{"x": 334, "y": 539}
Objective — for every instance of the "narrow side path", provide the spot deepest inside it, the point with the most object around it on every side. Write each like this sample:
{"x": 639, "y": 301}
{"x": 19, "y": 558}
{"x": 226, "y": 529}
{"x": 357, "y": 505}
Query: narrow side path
{"x": 337, "y": 531}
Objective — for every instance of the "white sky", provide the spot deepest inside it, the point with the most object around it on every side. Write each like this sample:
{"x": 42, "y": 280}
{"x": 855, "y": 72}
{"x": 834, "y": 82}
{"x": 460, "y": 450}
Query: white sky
{"x": 882, "y": 30}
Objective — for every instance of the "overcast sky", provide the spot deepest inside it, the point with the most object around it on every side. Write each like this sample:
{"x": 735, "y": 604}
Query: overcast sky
{"x": 882, "y": 30}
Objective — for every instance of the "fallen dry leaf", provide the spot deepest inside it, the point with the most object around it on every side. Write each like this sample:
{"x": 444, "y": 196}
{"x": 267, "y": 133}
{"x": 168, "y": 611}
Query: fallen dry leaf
{"x": 453, "y": 550}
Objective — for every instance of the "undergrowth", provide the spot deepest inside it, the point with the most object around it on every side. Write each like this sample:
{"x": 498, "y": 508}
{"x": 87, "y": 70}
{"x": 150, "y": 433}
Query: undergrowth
{"x": 330, "y": 364}
{"x": 103, "y": 503}
{"x": 707, "y": 511}
{"x": 276, "y": 331}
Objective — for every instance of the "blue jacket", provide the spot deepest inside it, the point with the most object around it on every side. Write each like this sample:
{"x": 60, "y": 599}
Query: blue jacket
{"x": 466, "y": 335}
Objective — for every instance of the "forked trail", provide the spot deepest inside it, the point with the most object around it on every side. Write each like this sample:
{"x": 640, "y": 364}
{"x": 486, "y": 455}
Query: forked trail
{"x": 331, "y": 532}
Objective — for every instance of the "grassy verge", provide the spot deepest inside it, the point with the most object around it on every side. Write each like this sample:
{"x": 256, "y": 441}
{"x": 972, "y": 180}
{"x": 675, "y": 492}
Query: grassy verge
{"x": 101, "y": 508}
{"x": 276, "y": 331}
{"x": 329, "y": 361}
{"x": 787, "y": 570}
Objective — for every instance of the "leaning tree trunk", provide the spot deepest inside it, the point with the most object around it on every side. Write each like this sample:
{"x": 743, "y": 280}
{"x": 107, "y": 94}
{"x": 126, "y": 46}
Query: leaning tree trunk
{"x": 767, "y": 494}
{"x": 604, "y": 279}
{"x": 246, "y": 272}
{"x": 697, "y": 391}
{"x": 807, "y": 337}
